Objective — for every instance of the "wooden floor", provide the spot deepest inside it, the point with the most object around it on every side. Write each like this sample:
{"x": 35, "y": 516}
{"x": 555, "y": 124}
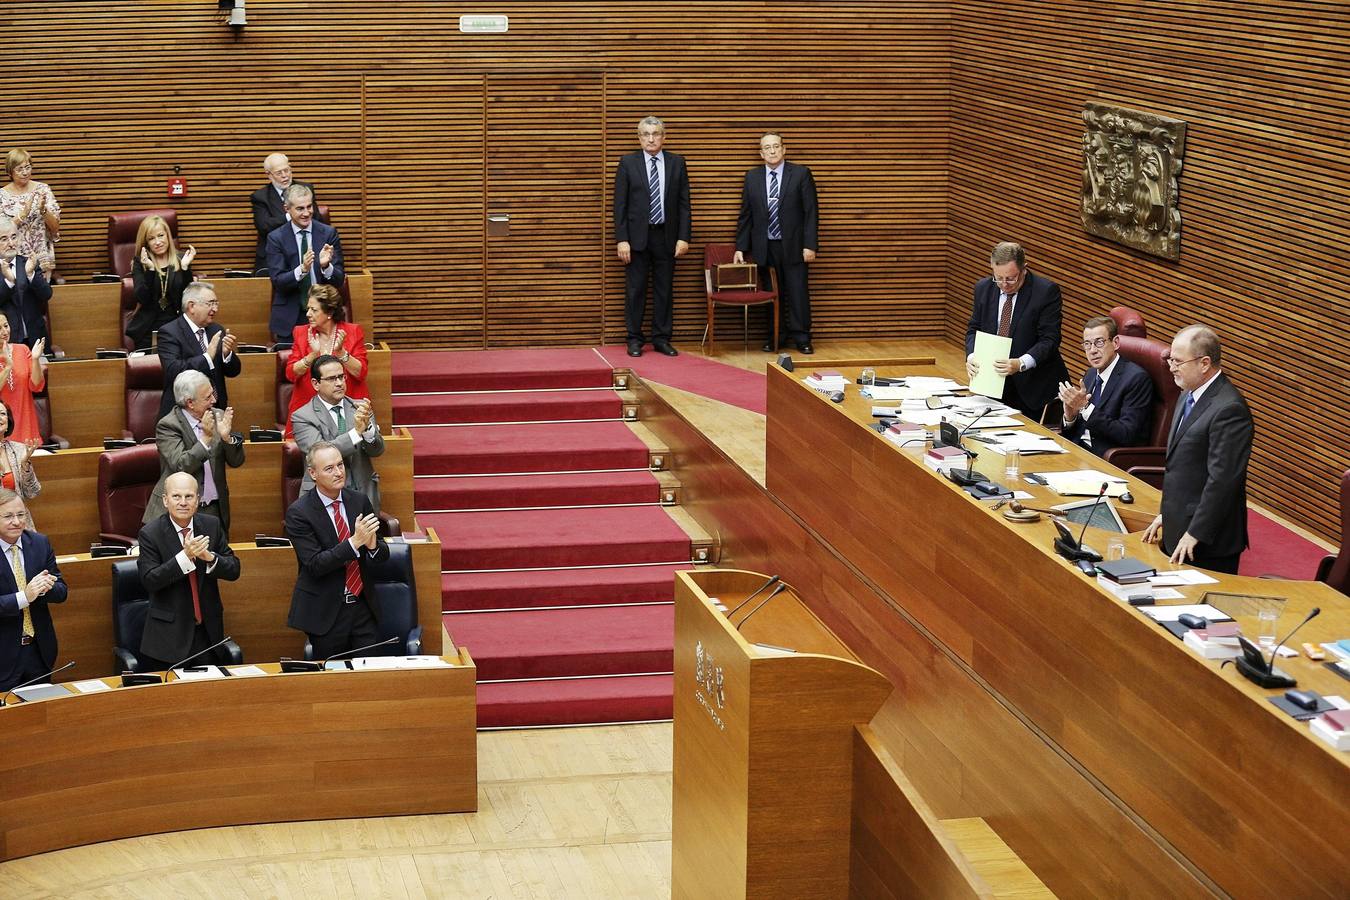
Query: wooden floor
{"x": 577, "y": 812}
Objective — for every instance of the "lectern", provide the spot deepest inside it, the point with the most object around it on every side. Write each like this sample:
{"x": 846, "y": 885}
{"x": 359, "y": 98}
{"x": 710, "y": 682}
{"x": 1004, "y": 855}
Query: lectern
{"x": 764, "y": 724}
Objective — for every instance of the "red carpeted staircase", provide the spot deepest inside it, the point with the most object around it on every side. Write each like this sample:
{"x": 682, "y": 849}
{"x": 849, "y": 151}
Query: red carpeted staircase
{"x": 558, "y": 558}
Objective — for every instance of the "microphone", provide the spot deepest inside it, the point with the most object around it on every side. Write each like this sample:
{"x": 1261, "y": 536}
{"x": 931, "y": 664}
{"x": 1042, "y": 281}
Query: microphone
{"x": 1069, "y": 547}
{"x": 969, "y": 476}
{"x": 345, "y": 653}
{"x": 763, "y": 587}
{"x": 219, "y": 643}
{"x": 776, "y": 591}
{"x": 1263, "y": 673}
{"x": 42, "y": 677}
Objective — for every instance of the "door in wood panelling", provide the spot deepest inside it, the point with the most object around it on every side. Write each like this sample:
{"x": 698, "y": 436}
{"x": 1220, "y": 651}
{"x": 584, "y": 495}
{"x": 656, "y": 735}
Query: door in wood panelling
{"x": 424, "y": 213}
{"x": 545, "y": 266}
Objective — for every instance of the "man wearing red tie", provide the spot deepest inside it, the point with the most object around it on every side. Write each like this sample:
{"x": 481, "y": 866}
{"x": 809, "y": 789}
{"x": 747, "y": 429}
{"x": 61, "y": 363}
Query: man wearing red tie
{"x": 335, "y": 535}
{"x": 183, "y": 557}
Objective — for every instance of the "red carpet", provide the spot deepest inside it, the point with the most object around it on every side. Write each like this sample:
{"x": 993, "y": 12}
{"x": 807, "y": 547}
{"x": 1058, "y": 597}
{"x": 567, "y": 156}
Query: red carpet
{"x": 526, "y": 406}
{"x": 469, "y": 591}
{"x": 1275, "y": 550}
{"x": 498, "y": 370}
{"x": 545, "y": 489}
{"x": 697, "y": 375}
{"x": 545, "y": 447}
{"x": 633, "y": 698}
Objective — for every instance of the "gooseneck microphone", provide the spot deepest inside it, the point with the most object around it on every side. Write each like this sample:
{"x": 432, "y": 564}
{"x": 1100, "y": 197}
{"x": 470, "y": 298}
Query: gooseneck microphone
{"x": 182, "y": 662}
{"x": 761, "y": 589}
{"x": 1092, "y": 512}
{"x": 969, "y": 476}
{"x": 345, "y": 653}
{"x": 43, "y": 677}
{"x": 776, "y": 591}
{"x": 1254, "y": 667}
{"x": 1069, "y": 547}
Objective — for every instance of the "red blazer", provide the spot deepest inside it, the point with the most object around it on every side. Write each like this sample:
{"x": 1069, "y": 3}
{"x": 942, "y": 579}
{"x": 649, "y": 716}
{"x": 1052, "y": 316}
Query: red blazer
{"x": 353, "y": 341}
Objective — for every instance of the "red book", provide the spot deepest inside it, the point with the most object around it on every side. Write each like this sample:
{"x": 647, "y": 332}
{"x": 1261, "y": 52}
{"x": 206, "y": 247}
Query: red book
{"x": 1337, "y": 719}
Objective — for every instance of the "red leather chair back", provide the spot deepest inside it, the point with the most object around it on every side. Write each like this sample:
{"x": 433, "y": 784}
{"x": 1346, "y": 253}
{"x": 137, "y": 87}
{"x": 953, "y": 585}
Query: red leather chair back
{"x": 144, "y": 390}
{"x": 284, "y": 390}
{"x": 1151, "y": 356}
{"x": 122, "y": 228}
{"x": 126, "y": 479}
{"x": 292, "y": 473}
{"x": 1129, "y": 322}
{"x": 322, "y": 214}
{"x": 1339, "y": 574}
{"x": 715, "y": 255}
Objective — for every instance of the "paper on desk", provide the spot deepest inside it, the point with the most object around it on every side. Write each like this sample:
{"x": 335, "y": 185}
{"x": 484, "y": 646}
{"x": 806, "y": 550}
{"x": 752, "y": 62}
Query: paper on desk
{"x": 92, "y": 686}
{"x": 1015, "y": 495}
{"x": 247, "y": 671}
{"x": 927, "y": 417}
{"x": 892, "y": 392}
{"x": 989, "y": 347}
{"x": 399, "y": 662}
{"x": 1182, "y": 576}
{"x": 1173, "y": 613}
{"x": 207, "y": 673}
{"x": 1032, "y": 446}
{"x": 1126, "y": 590}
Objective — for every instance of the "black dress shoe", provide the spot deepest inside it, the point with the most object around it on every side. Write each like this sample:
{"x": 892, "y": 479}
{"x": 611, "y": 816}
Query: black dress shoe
{"x": 634, "y": 348}
{"x": 805, "y": 347}
{"x": 664, "y": 348}
{"x": 768, "y": 347}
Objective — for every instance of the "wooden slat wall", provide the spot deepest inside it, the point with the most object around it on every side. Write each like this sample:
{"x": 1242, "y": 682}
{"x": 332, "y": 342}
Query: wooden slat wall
{"x": 1264, "y": 194}
{"x": 117, "y": 95}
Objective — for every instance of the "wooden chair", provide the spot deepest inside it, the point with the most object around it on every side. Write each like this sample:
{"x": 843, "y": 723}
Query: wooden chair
{"x": 740, "y": 291}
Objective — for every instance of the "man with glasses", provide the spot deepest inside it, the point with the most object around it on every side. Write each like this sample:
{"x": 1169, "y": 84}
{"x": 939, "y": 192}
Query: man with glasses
{"x": 350, "y": 426}
{"x": 1112, "y": 406}
{"x": 1014, "y": 302}
{"x": 196, "y": 437}
{"x": 194, "y": 342}
{"x": 29, "y": 582}
{"x": 1204, "y": 499}
{"x": 269, "y": 205}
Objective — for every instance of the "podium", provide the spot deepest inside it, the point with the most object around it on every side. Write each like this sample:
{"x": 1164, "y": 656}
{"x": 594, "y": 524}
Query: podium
{"x": 764, "y": 742}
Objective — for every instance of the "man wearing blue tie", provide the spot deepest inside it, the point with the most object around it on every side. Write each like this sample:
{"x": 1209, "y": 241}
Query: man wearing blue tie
{"x": 300, "y": 254}
{"x": 1204, "y": 500}
{"x": 1112, "y": 406}
{"x": 651, "y": 227}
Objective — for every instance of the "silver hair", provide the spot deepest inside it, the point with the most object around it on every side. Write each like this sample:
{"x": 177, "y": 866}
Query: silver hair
{"x": 297, "y": 190}
{"x": 652, "y": 120}
{"x": 186, "y": 385}
{"x": 194, "y": 292}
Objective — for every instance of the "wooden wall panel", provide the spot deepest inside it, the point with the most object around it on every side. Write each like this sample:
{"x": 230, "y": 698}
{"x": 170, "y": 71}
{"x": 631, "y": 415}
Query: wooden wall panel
{"x": 1264, "y": 194}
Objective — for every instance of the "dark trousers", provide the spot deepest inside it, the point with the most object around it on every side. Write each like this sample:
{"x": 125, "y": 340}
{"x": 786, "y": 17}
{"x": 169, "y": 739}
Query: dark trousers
{"x": 1227, "y": 564}
{"x": 355, "y": 627}
{"x": 658, "y": 259}
{"x": 793, "y": 294}
{"x": 200, "y": 641}
{"x": 30, "y": 666}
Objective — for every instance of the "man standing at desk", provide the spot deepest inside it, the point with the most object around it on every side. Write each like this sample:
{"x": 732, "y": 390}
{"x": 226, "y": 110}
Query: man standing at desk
{"x": 29, "y": 581}
{"x": 183, "y": 557}
{"x": 195, "y": 341}
{"x": 349, "y": 425}
{"x": 1204, "y": 498}
{"x": 778, "y": 227}
{"x": 651, "y": 226}
{"x": 1014, "y": 302}
{"x": 300, "y": 254}
{"x": 335, "y": 535}
{"x": 1113, "y": 404}
{"x": 269, "y": 205}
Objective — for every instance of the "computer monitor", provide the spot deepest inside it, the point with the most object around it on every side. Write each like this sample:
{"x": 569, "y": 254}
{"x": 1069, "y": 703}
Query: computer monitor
{"x": 1104, "y": 517}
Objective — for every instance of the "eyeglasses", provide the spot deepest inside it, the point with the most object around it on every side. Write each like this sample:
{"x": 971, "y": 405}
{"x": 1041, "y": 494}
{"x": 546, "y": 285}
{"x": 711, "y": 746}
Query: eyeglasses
{"x": 1098, "y": 343}
{"x": 14, "y": 517}
{"x": 24, "y": 169}
{"x": 1178, "y": 363}
{"x": 334, "y": 379}
{"x": 1006, "y": 279}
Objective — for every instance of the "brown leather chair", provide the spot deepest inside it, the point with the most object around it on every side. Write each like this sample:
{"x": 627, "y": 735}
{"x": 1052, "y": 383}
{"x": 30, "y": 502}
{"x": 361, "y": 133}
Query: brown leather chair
{"x": 144, "y": 390}
{"x": 1129, "y": 322}
{"x": 1151, "y": 356}
{"x": 43, "y": 404}
{"x": 1335, "y": 570}
{"x": 122, "y": 228}
{"x": 126, "y": 479}
{"x": 293, "y": 475}
{"x": 284, "y": 390}
{"x": 742, "y": 295}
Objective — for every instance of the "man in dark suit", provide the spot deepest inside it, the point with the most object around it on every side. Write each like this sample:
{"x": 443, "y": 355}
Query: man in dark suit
{"x": 1112, "y": 406}
{"x": 300, "y": 254}
{"x": 349, "y": 425}
{"x": 24, "y": 290}
{"x": 183, "y": 557}
{"x": 335, "y": 535}
{"x": 777, "y": 226}
{"x": 197, "y": 438}
{"x": 29, "y": 583}
{"x": 195, "y": 342}
{"x": 1204, "y": 498}
{"x": 269, "y": 205}
{"x": 651, "y": 225}
{"x": 1016, "y": 303}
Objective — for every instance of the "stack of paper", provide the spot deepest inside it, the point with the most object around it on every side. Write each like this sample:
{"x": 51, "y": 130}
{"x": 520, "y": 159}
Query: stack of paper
{"x": 1084, "y": 483}
{"x": 399, "y": 662}
{"x": 827, "y": 382}
{"x": 1024, "y": 442}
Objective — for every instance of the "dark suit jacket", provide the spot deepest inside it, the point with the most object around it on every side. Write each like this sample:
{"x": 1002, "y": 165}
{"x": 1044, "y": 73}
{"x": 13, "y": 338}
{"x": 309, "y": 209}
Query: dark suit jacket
{"x": 179, "y": 350}
{"x": 313, "y": 422}
{"x": 323, "y": 559}
{"x": 37, "y": 555}
{"x": 797, "y": 214}
{"x": 1035, "y": 329}
{"x": 269, "y": 214}
{"x": 169, "y": 623}
{"x": 25, "y": 304}
{"x": 283, "y": 255}
{"x": 1124, "y": 415}
{"x": 180, "y": 451}
{"x": 1205, "y": 481}
{"x": 632, "y": 200}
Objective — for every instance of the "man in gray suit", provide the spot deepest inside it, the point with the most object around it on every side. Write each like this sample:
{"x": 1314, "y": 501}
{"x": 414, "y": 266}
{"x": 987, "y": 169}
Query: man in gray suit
{"x": 350, "y": 425}
{"x": 1204, "y": 500}
{"x": 196, "y": 438}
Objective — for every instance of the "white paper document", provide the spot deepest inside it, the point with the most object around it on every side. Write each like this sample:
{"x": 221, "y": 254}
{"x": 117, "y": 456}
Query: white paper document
{"x": 1182, "y": 576}
{"x": 92, "y": 686}
{"x": 399, "y": 662}
{"x": 199, "y": 673}
{"x": 246, "y": 671}
{"x": 989, "y": 347}
{"x": 1173, "y": 613}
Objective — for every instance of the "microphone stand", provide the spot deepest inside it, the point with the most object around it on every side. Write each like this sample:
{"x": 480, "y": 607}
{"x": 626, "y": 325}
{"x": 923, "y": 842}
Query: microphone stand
{"x": 1071, "y": 549}
{"x": 34, "y": 681}
{"x": 776, "y": 591}
{"x": 1265, "y": 674}
{"x": 969, "y": 476}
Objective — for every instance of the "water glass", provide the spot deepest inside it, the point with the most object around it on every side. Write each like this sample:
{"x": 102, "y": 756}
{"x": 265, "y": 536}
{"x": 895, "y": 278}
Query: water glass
{"x": 1115, "y": 549}
{"x": 868, "y": 378}
{"x": 1012, "y": 464}
{"x": 1266, "y": 618}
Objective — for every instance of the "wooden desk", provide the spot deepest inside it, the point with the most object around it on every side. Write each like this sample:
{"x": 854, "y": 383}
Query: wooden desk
{"x": 235, "y": 751}
{"x": 67, "y": 509}
{"x": 88, "y": 396}
{"x": 255, "y": 606}
{"x": 86, "y": 317}
{"x": 1224, "y": 781}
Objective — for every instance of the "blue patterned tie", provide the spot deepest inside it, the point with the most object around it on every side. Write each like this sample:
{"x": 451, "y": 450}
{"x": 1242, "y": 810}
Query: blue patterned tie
{"x": 775, "y": 230}
{"x": 1186, "y": 406}
{"x": 654, "y": 191}
{"x": 1097, "y": 392}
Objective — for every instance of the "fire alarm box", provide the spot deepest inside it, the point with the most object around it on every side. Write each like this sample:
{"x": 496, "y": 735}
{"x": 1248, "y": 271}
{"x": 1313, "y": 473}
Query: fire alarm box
{"x": 177, "y": 187}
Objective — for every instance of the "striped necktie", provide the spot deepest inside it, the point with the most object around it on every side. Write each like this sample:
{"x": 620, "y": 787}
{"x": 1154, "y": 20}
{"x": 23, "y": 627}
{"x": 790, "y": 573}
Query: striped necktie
{"x": 654, "y": 193}
{"x": 21, "y": 582}
{"x": 344, "y": 534}
{"x": 775, "y": 229}
{"x": 304, "y": 248}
